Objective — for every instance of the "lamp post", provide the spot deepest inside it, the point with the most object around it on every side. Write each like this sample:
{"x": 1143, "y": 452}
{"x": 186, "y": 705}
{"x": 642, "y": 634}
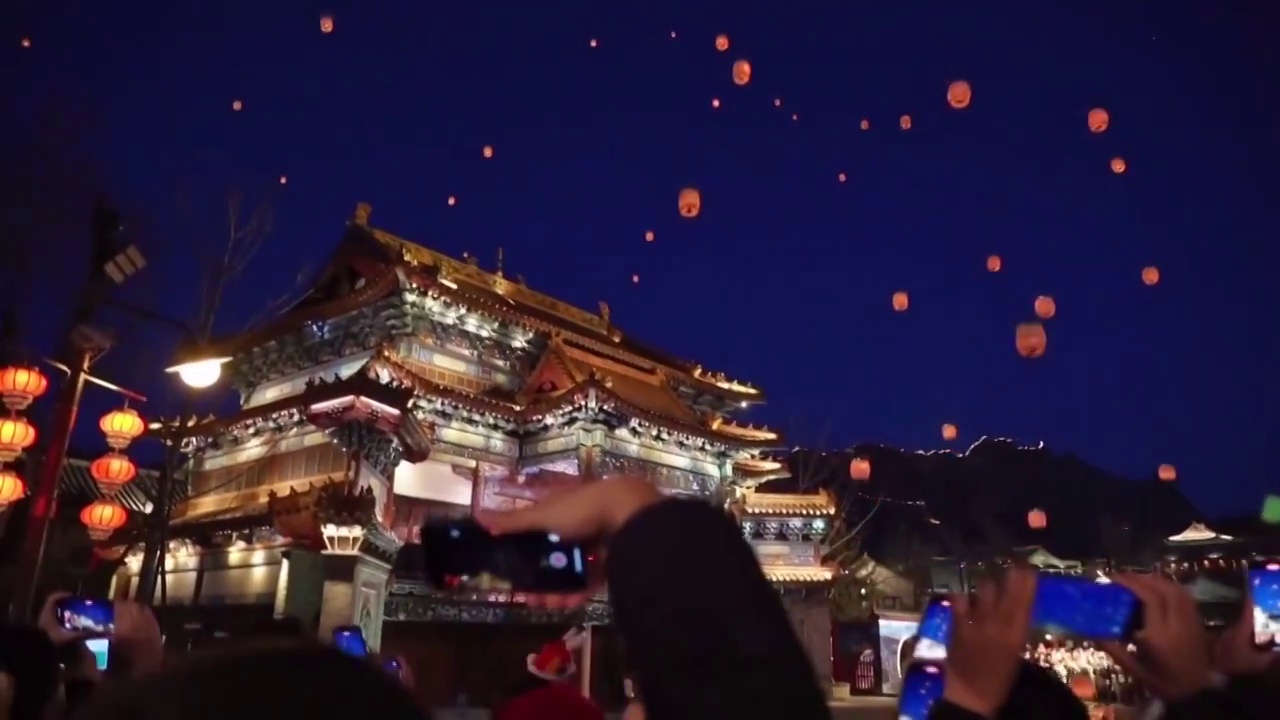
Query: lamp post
{"x": 197, "y": 373}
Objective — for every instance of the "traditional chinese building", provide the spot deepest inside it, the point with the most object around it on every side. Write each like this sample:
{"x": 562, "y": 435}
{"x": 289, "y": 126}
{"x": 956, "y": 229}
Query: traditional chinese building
{"x": 408, "y": 385}
{"x": 788, "y": 533}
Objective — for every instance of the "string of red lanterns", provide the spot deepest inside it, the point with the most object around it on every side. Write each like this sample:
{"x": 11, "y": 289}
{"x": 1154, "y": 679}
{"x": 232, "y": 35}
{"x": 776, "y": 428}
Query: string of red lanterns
{"x": 21, "y": 385}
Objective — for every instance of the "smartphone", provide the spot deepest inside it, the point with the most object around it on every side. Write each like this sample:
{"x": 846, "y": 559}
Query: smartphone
{"x": 921, "y": 687}
{"x": 462, "y": 555}
{"x": 349, "y": 640}
{"x": 101, "y": 649}
{"x": 86, "y": 615}
{"x": 933, "y": 631}
{"x": 1264, "y": 591}
{"x": 1086, "y": 609}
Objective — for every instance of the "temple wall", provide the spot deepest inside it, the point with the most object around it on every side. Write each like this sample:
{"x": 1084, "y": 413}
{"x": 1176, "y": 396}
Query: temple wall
{"x": 215, "y": 577}
{"x": 810, "y": 616}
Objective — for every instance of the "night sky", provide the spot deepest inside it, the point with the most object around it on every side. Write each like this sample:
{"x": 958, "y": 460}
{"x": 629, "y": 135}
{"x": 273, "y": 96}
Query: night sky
{"x": 785, "y": 277}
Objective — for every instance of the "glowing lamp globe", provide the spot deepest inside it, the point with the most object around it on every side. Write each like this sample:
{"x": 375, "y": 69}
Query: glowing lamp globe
{"x": 103, "y": 517}
{"x": 121, "y": 427}
{"x": 199, "y": 374}
{"x": 12, "y": 488}
{"x": 19, "y": 386}
{"x": 16, "y": 435}
{"x": 112, "y": 472}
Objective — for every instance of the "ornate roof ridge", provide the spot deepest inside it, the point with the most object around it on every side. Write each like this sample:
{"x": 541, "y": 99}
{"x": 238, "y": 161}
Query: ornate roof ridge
{"x": 761, "y": 503}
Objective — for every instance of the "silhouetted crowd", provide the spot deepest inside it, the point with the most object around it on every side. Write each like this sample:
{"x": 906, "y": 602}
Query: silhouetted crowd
{"x": 706, "y": 637}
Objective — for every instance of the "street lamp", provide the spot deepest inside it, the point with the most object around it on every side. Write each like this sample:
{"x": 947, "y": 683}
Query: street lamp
{"x": 199, "y": 373}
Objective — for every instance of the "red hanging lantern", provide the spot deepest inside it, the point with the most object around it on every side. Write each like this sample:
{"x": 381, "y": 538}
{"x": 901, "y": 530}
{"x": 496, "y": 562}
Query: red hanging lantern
{"x": 112, "y": 472}
{"x": 19, "y": 386}
{"x": 1037, "y": 519}
{"x": 11, "y": 488}
{"x": 16, "y": 435}
{"x": 121, "y": 427}
{"x": 103, "y": 517}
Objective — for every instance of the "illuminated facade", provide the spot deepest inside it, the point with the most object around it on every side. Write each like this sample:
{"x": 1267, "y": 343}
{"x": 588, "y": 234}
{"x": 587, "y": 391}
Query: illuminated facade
{"x": 788, "y": 533}
{"x": 408, "y": 385}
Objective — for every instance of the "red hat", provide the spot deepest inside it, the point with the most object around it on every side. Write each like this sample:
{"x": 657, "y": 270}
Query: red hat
{"x": 555, "y": 660}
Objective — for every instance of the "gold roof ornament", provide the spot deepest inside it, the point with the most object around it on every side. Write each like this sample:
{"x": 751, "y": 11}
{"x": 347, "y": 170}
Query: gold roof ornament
{"x": 788, "y": 504}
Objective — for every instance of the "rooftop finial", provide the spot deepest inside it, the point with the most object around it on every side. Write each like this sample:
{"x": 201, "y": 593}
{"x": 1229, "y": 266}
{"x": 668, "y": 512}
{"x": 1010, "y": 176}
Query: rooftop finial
{"x": 499, "y": 271}
{"x": 361, "y": 215}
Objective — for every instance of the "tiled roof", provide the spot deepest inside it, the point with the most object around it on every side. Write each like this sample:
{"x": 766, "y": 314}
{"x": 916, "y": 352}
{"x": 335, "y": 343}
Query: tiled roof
{"x": 793, "y": 574}
{"x": 782, "y": 504}
{"x": 77, "y": 485}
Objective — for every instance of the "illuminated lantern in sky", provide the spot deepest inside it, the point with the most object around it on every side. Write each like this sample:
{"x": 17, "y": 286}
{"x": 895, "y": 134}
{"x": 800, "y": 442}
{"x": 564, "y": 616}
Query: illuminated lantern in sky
{"x": 904, "y": 122}
{"x": 1118, "y": 165}
{"x": 993, "y": 263}
{"x": 1030, "y": 340}
{"x": 1045, "y": 307}
{"x": 592, "y": 43}
{"x": 1099, "y": 119}
{"x": 690, "y": 202}
{"x": 777, "y": 102}
{"x": 1167, "y": 473}
{"x": 487, "y": 151}
{"x": 741, "y": 72}
{"x": 860, "y": 469}
{"x": 901, "y": 301}
{"x": 635, "y": 278}
{"x": 865, "y": 124}
{"x": 949, "y": 432}
{"x": 648, "y": 236}
{"x": 842, "y": 177}
{"x": 237, "y": 106}
{"x": 326, "y": 24}
{"x": 1150, "y": 275}
{"x": 959, "y": 94}
{"x": 452, "y": 201}
{"x": 722, "y": 42}
{"x": 1037, "y": 519}
{"x": 715, "y": 102}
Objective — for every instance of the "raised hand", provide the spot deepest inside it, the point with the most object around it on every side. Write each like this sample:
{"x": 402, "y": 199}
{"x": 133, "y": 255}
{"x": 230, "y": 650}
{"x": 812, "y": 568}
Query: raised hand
{"x": 1173, "y": 647}
{"x": 1236, "y": 653}
{"x": 988, "y": 634}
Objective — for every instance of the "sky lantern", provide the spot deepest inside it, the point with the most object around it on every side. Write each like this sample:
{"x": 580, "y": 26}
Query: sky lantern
{"x": 452, "y": 201}
{"x": 25, "y": 43}
{"x": 673, "y": 34}
{"x": 237, "y": 105}
{"x": 690, "y": 202}
{"x": 901, "y": 301}
{"x": 635, "y": 279}
{"x": 284, "y": 180}
{"x": 860, "y": 469}
{"x": 16, "y": 435}
{"x": 715, "y": 102}
{"x": 12, "y": 488}
{"x": 648, "y": 236}
{"x": 1099, "y": 119}
{"x": 112, "y": 472}
{"x": 326, "y": 24}
{"x": 949, "y": 432}
{"x": 865, "y": 124}
{"x": 487, "y": 151}
{"x": 1167, "y": 473}
{"x": 1118, "y": 165}
{"x": 103, "y": 517}
{"x": 1037, "y": 519}
{"x": 1045, "y": 307}
{"x": 592, "y": 43}
{"x": 777, "y": 102}
{"x": 993, "y": 263}
{"x": 959, "y": 94}
{"x": 842, "y": 177}
{"x": 904, "y": 122}
{"x": 21, "y": 385}
{"x": 121, "y": 427}
{"x": 741, "y": 72}
{"x": 1150, "y": 275}
{"x": 795, "y": 117}
{"x": 1030, "y": 340}
{"x": 722, "y": 42}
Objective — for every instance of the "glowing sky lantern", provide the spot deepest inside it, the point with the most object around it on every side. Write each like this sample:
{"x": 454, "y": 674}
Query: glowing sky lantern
{"x": 1099, "y": 120}
{"x": 715, "y": 102}
{"x": 842, "y": 177}
{"x": 865, "y": 124}
{"x": 860, "y": 469}
{"x": 25, "y": 42}
{"x": 1167, "y": 473}
{"x": 722, "y": 42}
{"x": 284, "y": 180}
{"x": 689, "y": 202}
{"x": 959, "y": 94}
{"x": 1037, "y": 519}
{"x": 1030, "y": 340}
{"x": 1045, "y": 307}
{"x": 592, "y": 43}
{"x": 777, "y": 102}
{"x": 901, "y": 301}
{"x": 949, "y": 432}
{"x": 635, "y": 278}
{"x": 741, "y": 72}
{"x": 487, "y": 151}
{"x": 1118, "y": 165}
{"x": 994, "y": 263}
{"x": 326, "y": 24}
{"x": 904, "y": 122}
{"x": 648, "y": 236}
{"x": 452, "y": 201}
{"x": 1150, "y": 275}
{"x": 237, "y": 105}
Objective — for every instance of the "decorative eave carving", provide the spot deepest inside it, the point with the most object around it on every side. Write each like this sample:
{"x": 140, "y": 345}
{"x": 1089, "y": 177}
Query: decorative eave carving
{"x": 753, "y": 503}
{"x": 304, "y": 514}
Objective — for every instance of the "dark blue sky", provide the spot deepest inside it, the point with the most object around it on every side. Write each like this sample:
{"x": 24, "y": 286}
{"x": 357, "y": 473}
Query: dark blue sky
{"x": 785, "y": 279}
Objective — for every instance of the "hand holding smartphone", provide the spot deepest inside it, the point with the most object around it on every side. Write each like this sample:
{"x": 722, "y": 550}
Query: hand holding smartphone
{"x": 461, "y": 554}
{"x": 91, "y": 617}
{"x": 1264, "y": 590}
